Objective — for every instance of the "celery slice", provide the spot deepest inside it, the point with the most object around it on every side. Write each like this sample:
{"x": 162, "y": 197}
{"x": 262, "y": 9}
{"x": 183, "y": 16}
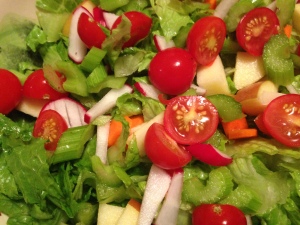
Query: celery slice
{"x": 218, "y": 186}
{"x": 72, "y": 143}
{"x": 92, "y": 59}
{"x": 96, "y": 77}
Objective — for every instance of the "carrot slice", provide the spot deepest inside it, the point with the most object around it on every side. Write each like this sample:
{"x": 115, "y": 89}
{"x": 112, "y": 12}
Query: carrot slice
{"x": 212, "y": 3}
{"x": 235, "y": 125}
{"x": 288, "y": 30}
{"x": 242, "y": 133}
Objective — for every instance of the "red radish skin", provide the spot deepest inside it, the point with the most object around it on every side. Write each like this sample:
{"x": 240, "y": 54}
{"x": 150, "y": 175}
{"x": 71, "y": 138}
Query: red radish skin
{"x": 147, "y": 90}
{"x": 209, "y": 154}
{"x": 157, "y": 186}
{"x": 161, "y": 43}
{"x": 73, "y": 112}
{"x": 169, "y": 211}
{"x": 77, "y": 49}
{"x": 106, "y": 103}
{"x": 98, "y": 16}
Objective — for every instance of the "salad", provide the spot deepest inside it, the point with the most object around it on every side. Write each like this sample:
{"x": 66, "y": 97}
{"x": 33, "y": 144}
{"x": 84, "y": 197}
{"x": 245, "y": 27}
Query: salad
{"x": 151, "y": 112}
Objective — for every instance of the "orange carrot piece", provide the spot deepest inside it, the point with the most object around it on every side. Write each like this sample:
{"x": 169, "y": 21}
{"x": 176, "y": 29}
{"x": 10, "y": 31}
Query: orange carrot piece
{"x": 288, "y": 30}
{"x": 212, "y": 3}
{"x": 235, "y": 125}
{"x": 242, "y": 133}
{"x": 115, "y": 128}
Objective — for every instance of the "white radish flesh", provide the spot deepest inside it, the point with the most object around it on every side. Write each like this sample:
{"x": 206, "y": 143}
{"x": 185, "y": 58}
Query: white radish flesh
{"x": 102, "y": 141}
{"x": 110, "y": 19}
{"x": 73, "y": 112}
{"x": 223, "y": 8}
{"x": 161, "y": 43}
{"x": 77, "y": 49}
{"x": 147, "y": 90}
{"x": 157, "y": 186}
{"x": 106, "y": 103}
{"x": 169, "y": 211}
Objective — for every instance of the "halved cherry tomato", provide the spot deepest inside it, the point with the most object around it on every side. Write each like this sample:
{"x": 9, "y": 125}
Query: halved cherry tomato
{"x": 37, "y": 87}
{"x": 172, "y": 70}
{"x": 10, "y": 91}
{"x": 190, "y": 119}
{"x": 90, "y": 31}
{"x": 255, "y": 29}
{"x": 282, "y": 119}
{"x": 206, "y": 38}
{"x": 218, "y": 214}
{"x": 140, "y": 26}
{"x": 50, "y": 125}
{"x": 260, "y": 123}
{"x": 163, "y": 151}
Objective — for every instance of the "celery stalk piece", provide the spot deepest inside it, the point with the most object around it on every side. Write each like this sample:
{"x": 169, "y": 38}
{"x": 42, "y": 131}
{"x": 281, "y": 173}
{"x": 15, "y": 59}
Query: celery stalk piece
{"x": 72, "y": 143}
{"x": 92, "y": 59}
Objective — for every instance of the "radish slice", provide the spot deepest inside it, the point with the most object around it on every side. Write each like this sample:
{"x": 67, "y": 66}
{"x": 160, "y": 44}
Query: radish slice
{"x": 102, "y": 141}
{"x": 161, "y": 43}
{"x": 98, "y": 16}
{"x": 109, "y": 19}
{"x": 157, "y": 186}
{"x": 199, "y": 90}
{"x": 249, "y": 221}
{"x": 223, "y": 8}
{"x": 77, "y": 49}
{"x": 106, "y": 103}
{"x": 209, "y": 154}
{"x": 73, "y": 112}
{"x": 147, "y": 90}
{"x": 169, "y": 211}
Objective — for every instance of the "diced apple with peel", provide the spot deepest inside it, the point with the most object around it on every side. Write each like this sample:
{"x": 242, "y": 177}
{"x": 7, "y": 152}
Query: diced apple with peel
{"x": 130, "y": 214}
{"x": 3, "y": 219}
{"x": 248, "y": 70}
{"x": 109, "y": 214}
{"x": 255, "y": 97}
{"x": 31, "y": 106}
{"x": 213, "y": 78}
{"x": 140, "y": 132}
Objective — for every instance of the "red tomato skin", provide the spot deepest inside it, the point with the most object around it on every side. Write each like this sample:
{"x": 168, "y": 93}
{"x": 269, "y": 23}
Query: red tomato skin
{"x": 190, "y": 119}
{"x": 217, "y": 214}
{"x": 281, "y": 118}
{"x": 37, "y": 87}
{"x": 256, "y": 43}
{"x": 10, "y": 91}
{"x": 49, "y": 123}
{"x": 172, "y": 70}
{"x": 163, "y": 151}
{"x": 206, "y": 38}
{"x": 140, "y": 27}
{"x": 90, "y": 32}
{"x": 260, "y": 124}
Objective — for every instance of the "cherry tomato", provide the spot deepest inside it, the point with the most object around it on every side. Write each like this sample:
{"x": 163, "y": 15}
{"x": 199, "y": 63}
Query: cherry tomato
{"x": 140, "y": 27}
{"x": 163, "y": 151}
{"x": 281, "y": 119}
{"x": 10, "y": 91}
{"x": 255, "y": 29}
{"x": 50, "y": 125}
{"x": 206, "y": 38}
{"x": 190, "y": 119}
{"x": 217, "y": 214}
{"x": 37, "y": 87}
{"x": 172, "y": 70}
{"x": 260, "y": 123}
{"x": 90, "y": 31}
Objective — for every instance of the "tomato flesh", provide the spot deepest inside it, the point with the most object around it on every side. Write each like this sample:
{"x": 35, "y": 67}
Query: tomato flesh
{"x": 90, "y": 31}
{"x": 10, "y": 91}
{"x": 281, "y": 119}
{"x": 206, "y": 38}
{"x": 50, "y": 125}
{"x": 163, "y": 151}
{"x": 190, "y": 119}
{"x": 140, "y": 27}
{"x": 218, "y": 214}
{"x": 172, "y": 70}
{"x": 37, "y": 87}
{"x": 256, "y": 28}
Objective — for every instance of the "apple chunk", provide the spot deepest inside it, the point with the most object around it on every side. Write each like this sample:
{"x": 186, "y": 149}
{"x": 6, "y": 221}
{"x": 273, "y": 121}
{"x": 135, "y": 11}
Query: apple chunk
{"x": 109, "y": 214}
{"x": 248, "y": 70}
{"x": 130, "y": 214}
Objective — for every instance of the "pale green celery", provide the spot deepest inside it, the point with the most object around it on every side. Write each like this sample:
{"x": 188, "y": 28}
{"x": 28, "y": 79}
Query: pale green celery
{"x": 92, "y": 59}
{"x": 218, "y": 186}
{"x": 105, "y": 173}
{"x": 72, "y": 143}
{"x": 112, "y": 5}
{"x": 245, "y": 199}
{"x": 76, "y": 80}
{"x": 285, "y": 10}
{"x": 96, "y": 77}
